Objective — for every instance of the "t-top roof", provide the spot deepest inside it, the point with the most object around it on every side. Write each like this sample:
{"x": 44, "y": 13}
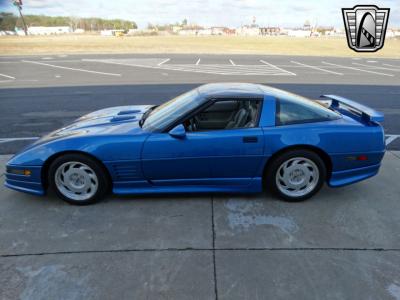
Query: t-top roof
{"x": 236, "y": 89}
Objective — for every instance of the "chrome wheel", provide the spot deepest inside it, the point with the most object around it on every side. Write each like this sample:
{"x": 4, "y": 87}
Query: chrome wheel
{"x": 297, "y": 177}
{"x": 76, "y": 180}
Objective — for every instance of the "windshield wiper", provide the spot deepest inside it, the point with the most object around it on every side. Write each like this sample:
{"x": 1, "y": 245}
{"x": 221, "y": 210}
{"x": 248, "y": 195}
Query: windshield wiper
{"x": 145, "y": 115}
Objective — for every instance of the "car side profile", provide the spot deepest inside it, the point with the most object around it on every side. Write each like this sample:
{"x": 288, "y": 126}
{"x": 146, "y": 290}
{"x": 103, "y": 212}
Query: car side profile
{"x": 224, "y": 137}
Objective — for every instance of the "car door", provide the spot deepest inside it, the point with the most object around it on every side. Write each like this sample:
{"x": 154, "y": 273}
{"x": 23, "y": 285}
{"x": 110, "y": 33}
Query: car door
{"x": 224, "y": 156}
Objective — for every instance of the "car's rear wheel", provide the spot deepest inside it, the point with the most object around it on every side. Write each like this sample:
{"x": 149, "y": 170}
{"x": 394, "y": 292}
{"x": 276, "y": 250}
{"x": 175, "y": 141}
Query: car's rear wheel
{"x": 78, "y": 179}
{"x": 296, "y": 175}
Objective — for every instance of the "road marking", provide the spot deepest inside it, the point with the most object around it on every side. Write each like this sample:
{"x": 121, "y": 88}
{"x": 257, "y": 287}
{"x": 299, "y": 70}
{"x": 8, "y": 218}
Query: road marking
{"x": 223, "y": 69}
{"x": 276, "y": 67}
{"x": 357, "y": 69}
{"x": 164, "y": 61}
{"x": 371, "y": 61}
{"x": 47, "y": 58}
{"x": 390, "y": 138}
{"x": 255, "y": 68}
{"x": 316, "y": 68}
{"x": 67, "y": 68}
{"x": 53, "y": 61}
{"x": 8, "y": 140}
{"x": 232, "y": 63}
{"x": 66, "y": 60}
{"x": 377, "y": 67}
{"x": 7, "y": 76}
{"x": 226, "y": 69}
{"x": 198, "y": 62}
{"x": 391, "y": 65}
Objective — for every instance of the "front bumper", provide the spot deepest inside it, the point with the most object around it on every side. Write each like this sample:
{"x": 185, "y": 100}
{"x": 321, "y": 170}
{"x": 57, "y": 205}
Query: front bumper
{"x": 341, "y": 178}
{"x": 31, "y": 184}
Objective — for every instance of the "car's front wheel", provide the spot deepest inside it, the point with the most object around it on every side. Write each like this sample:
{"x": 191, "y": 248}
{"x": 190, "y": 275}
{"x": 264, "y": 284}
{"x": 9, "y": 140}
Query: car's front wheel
{"x": 296, "y": 175}
{"x": 78, "y": 179}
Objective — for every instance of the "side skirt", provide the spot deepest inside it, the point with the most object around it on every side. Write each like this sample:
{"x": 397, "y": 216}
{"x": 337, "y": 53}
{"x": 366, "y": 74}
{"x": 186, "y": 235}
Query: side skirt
{"x": 221, "y": 185}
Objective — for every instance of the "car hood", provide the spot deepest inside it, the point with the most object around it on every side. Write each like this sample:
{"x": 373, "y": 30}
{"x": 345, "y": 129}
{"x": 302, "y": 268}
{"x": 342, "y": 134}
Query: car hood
{"x": 113, "y": 121}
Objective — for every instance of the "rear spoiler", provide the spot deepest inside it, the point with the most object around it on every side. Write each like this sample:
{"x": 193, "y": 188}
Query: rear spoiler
{"x": 366, "y": 112}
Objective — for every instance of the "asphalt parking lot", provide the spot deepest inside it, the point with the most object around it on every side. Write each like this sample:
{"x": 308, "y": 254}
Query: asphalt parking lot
{"x": 41, "y": 93}
{"x": 342, "y": 244}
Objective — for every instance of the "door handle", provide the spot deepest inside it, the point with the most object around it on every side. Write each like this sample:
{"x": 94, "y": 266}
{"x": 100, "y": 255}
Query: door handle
{"x": 250, "y": 139}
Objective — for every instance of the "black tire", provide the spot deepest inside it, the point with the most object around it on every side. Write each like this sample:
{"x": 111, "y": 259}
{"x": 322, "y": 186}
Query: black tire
{"x": 273, "y": 168}
{"x": 100, "y": 172}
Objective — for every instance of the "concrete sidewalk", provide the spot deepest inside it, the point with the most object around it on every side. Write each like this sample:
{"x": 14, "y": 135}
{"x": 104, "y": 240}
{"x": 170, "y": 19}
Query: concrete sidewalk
{"x": 343, "y": 243}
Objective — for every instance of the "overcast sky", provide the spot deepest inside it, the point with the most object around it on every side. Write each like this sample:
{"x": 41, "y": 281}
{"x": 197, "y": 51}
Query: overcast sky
{"x": 231, "y": 13}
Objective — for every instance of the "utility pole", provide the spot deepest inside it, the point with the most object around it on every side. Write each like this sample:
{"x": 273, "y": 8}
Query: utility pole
{"x": 18, "y": 4}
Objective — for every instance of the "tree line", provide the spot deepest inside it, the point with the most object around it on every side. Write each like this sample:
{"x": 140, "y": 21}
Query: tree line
{"x": 9, "y": 21}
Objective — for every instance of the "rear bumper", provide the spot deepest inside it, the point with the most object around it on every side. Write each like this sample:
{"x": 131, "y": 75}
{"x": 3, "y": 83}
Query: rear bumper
{"x": 341, "y": 178}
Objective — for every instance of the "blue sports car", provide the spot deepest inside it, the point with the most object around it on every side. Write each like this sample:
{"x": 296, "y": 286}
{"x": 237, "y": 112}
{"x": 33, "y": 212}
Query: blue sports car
{"x": 226, "y": 137}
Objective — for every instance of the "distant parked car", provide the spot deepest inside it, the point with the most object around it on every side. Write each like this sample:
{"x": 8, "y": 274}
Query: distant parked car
{"x": 228, "y": 137}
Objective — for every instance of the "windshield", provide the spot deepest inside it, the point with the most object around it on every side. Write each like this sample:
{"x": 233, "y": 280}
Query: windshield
{"x": 168, "y": 112}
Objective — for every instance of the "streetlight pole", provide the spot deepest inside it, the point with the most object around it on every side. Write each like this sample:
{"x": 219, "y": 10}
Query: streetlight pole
{"x": 18, "y": 4}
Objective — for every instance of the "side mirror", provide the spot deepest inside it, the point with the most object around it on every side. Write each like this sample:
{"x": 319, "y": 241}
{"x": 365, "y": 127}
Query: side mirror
{"x": 178, "y": 131}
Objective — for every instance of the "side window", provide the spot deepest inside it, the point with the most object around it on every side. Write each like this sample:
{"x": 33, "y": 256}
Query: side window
{"x": 294, "y": 112}
{"x": 226, "y": 114}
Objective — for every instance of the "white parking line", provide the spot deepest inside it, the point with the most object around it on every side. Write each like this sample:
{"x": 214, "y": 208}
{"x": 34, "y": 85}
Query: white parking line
{"x": 67, "y": 68}
{"x": 391, "y": 65}
{"x": 163, "y": 62}
{"x": 224, "y": 69}
{"x": 316, "y": 68}
{"x": 7, "y": 140}
{"x": 53, "y": 61}
{"x": 390, "y": 138}
{"x": 231, "y": 69}
{"x": 232, "y": 63}
{"x": 273, "y": 66}
{"x": 7, "y": 76}
{"x": 65, "y": 60}
{"x": 357, "y": 69}
{"x": 198, "y": 62}
{"x": 377, "y": 67}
